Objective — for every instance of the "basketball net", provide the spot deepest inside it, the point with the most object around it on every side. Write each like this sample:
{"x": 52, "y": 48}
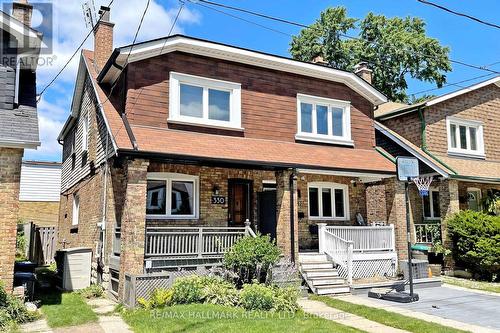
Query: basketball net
{"x": 423, "y": 184}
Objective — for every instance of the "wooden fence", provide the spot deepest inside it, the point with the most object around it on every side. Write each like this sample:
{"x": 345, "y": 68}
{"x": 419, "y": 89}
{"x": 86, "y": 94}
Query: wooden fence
{"x": 42, "y": 244}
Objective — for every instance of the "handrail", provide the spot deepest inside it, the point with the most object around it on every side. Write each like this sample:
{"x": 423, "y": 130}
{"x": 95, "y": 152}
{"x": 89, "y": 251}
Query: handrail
{"x": 340, "y": 250}
{"x": 367, "y": 238}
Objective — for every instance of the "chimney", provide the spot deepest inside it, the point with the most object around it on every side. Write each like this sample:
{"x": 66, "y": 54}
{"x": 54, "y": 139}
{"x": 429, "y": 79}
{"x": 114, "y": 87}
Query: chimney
{"x": 22, "y": 11}
{"x": 319, "y": 60}
{"x": 363, "y": 71}
{"x": 103, "y": 38}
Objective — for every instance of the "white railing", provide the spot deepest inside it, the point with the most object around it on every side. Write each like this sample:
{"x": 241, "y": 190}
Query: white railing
{"x": 192, "y": 242}
{"x": 425, "y": 232}
{"x": 365, "y": 238}
{"x": 340, "y": 250}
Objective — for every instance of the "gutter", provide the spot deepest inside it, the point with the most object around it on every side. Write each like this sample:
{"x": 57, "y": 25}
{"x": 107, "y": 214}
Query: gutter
{"x": 383, "y": 153}
{"x": 476, "y": 179}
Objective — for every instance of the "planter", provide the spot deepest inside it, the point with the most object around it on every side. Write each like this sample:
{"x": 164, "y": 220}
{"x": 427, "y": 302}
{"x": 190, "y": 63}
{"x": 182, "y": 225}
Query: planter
{"x": 435, "y": 258}
{"x": 435, "y": 269}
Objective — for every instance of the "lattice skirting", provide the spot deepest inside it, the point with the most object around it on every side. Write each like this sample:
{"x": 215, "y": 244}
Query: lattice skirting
{"x": 369, "y": 268}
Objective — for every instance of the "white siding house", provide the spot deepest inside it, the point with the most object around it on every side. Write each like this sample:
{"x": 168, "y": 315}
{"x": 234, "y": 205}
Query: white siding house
{"x": 40, "y": 181}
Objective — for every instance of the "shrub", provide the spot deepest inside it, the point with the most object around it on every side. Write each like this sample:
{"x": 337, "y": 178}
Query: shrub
{"x": 159, "y": 298}
{"x": 251, "y": 258}
{"x": 476, "y": 239}
{"x": 14, "y": 309}
{"x": 220, "y": 292}
{"x": 189, "y": 289}
{"x": 92, "y": 291}
{"x": 257, "y": 297}
{"x": 285, "y": 299}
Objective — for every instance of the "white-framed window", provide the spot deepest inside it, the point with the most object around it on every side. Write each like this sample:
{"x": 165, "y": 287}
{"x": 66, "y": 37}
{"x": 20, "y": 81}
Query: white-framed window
{"x": 465, "y": 137}
{"x": 328, "y": 201}
{"x": 203, "y": 101}
{"x": 474, "y": 198}
{"x": 430, "y": 204}
{"x": 323, "y": 120}
{"x": 172, "y": 196}
{"x": 76, "y": 209}
{"x": 85, "y": 132}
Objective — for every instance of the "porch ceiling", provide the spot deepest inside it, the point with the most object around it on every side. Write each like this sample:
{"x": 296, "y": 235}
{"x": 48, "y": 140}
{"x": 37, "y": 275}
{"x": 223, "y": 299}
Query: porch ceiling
{"x": 183, "y": 144}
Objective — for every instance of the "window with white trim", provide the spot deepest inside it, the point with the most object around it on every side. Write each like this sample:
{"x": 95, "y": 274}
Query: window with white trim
{"x": 328, "y": 201}
{"x": 202, "y": 101}
{"x": 465, "y": 137}
{"x": 76, "y": 210}
{"x": 85, "y": 132}
{"x": 323, "y": 120}
{"x": 172, "y": 196}
{"x": 430, "y": 205}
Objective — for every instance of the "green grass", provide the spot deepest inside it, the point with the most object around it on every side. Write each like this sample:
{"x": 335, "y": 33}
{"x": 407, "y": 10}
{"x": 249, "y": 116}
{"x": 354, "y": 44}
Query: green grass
{"x": 215, "y": 318}
{"x": 472, "y": 284}
{"x": 66, "y": 309}
{"x": 387, "y": 318}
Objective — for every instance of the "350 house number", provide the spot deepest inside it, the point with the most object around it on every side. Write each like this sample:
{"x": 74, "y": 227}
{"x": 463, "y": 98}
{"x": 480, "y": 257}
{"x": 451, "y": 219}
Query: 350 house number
{"x": 218, "y": 200}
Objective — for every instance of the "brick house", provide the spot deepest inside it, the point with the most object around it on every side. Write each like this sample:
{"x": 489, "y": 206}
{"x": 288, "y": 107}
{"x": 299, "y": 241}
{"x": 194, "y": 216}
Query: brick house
{"x": 455, "y": 137}
{"x": 190, "y": 135}
{"x": 18, "y": 121}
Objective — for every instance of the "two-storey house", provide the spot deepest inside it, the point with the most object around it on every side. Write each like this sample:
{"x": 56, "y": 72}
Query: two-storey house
{"x": 177, "y": 146}
{"x": 456, "y": 137}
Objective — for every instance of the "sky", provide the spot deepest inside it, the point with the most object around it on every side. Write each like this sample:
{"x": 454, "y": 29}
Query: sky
{"x": 469, "y": 41}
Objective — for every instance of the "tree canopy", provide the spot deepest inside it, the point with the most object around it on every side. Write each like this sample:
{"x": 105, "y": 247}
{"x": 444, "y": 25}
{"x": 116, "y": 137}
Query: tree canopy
{"x": 394, "y": 48}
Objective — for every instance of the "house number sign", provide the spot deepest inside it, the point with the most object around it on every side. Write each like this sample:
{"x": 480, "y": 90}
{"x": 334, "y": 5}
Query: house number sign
{"x": 218, "y": 200}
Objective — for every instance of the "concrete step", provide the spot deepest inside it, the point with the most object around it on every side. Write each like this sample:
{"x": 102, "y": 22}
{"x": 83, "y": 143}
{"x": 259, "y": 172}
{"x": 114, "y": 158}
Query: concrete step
{"x": 308, "y": 257}
{"x": 316, "y": 265}
{"x": 322, "y": 272}
{"x": 332, "y": 289}
{"x": 322, "y": 281}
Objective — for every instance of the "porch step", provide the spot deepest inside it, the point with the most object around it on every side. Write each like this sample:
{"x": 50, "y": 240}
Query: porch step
{"x": 321, "y": 272}
{"x": 321, "y": 276}
{"x": 316, "y": 265}
{"x": 312, "y": 257}
{"x": 326, "y": 281}
{"x": 332, "y": 289}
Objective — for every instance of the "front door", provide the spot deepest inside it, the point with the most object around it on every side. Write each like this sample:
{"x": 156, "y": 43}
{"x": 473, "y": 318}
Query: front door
{"x": 267, "y": 213}
{"x": 239, "y": 202}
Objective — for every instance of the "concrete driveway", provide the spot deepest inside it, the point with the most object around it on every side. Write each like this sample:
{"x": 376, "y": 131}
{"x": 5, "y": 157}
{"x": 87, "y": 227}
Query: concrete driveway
{"x": 460, "y": 305}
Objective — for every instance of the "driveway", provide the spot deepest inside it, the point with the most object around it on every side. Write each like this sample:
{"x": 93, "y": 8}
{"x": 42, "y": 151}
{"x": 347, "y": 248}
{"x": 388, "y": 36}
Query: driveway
{"x": 455, "y": 304}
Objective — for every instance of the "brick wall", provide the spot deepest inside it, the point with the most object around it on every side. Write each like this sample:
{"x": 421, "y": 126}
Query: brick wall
{"x": 42, "y": 213}
{"x": 10, "y": 173}
{"x": 409, "y": 126}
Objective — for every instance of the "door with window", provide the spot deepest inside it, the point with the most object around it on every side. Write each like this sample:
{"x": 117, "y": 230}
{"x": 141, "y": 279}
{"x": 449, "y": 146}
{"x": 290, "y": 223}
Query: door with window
{"x": 239, "y": 202}
{"x": 474, "y": 199}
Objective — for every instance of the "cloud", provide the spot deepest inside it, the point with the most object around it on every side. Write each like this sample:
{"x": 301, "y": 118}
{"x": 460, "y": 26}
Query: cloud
{"x": 50, "y": 149}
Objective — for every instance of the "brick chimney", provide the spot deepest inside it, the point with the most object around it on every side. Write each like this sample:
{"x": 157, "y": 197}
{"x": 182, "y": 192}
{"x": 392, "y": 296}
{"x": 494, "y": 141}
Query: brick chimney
{"x": 103, "y": 38}
{"x": 22, "y": 11}
{"x": 363, "y": 71}
{"x": 319, "y": 60}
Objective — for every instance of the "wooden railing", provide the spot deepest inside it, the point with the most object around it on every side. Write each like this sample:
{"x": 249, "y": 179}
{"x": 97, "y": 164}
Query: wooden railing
{"x": 192, "y": 242}
{"x": 339, "y": 250}
{"x": 365, "y": 238}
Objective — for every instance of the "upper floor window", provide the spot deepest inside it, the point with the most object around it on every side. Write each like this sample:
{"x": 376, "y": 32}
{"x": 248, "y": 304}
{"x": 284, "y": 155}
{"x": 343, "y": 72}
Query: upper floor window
{"x": 172, "y": 196}
{"x": 76, "y": 210}
{"x": 328, "y": 201}
{"x": 465, "y": 137}
{"x": 324, "y": 120}
{"x": 85, "y": 133}
{"x": 198, "y": 100}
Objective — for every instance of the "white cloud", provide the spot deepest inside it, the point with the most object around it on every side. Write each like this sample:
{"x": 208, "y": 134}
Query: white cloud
{"x": 50, "y": 148}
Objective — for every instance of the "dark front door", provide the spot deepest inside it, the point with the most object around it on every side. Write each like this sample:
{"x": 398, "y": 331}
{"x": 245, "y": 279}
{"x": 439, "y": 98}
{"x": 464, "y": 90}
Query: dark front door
{"x": 240, "y": 198}
{"x": 267, "y": 213}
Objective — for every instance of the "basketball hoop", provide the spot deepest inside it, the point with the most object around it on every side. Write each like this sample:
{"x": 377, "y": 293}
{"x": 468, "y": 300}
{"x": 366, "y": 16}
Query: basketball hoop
{"x": 423, "y": 184}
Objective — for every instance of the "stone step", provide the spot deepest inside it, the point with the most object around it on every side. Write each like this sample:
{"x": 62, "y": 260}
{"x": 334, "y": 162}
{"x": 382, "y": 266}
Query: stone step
{"x": 308, "y": 257}
{"x": 321, "y": 281}
{"x": 332, "y": 289}
{"x": 322, "y": 272}
{"x": 316, "y": 265}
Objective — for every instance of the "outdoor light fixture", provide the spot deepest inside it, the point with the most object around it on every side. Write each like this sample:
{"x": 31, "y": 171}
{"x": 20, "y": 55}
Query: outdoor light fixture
{"x": 215, "y": 190}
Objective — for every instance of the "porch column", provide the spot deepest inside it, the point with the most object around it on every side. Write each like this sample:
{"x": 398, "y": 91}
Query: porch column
{"x": 396, "y": 213}
{"x": 448, "y": 205}
{"x": 287, "y": 218}
{"x": 133, "y": 226}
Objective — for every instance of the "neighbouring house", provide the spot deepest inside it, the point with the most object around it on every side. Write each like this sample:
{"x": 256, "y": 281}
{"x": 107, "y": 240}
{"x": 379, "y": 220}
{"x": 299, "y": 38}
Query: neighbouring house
{"x": 18, "y": 121}
{"x": 176, "y": 147}
{"x": 39, "y": 193}
{"x": 456, "y": 139}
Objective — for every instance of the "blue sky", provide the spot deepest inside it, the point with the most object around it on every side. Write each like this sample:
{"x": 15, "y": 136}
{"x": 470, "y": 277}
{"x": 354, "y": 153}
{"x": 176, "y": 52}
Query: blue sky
{"x": 469, "y": 41}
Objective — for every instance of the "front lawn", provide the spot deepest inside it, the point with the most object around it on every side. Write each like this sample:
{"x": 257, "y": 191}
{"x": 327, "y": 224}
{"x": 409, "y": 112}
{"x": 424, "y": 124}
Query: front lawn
{"x": 471, "y": 284}
{"x": 216, "y": 318}
{"x": 387, "y": 318}
{"x": 66, "y": 309}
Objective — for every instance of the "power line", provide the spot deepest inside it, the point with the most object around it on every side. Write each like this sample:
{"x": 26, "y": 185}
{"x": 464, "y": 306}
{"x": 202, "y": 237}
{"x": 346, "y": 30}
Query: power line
{"x": 70, "y": 58}
{"x": 452, "y": 84}
{"x": 459, "y": 14}
{"x": 199, "y": 2}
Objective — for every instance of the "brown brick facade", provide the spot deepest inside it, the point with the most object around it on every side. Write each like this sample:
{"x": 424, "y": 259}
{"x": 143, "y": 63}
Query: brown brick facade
{"x": 42, "y": 213}
{"x": 10, "y": 173}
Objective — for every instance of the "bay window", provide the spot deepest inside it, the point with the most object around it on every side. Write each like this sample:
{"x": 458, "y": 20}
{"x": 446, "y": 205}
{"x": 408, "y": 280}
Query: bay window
{"x": 323, "y": 120}
{"x": 465, "y": 137}
{"x": 328, "y": 201}
{"x": 172, "y": 196}
{"x": 202, "y": 101}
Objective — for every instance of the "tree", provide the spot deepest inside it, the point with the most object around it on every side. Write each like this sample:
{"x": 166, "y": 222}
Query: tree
{"x": 394, "y": 48}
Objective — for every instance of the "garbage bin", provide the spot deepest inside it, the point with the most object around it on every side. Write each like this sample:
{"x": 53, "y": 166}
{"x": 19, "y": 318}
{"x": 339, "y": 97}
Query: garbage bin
{"x": 27, "y": 280}
{"x": 25, "y": 266}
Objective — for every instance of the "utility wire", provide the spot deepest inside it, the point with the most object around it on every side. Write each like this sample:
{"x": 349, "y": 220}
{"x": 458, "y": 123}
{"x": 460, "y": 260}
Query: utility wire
{"x": 452, "y": 84}
{"x": 199, "y": 2}
{"x": 70, "y": 58}
{"x": 470, "y": 17}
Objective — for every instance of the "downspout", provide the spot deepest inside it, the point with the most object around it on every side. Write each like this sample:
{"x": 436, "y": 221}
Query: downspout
{"x": 424, "y": 140}
{"x": 104, "y": 203}
{"x": 293, "y": 181}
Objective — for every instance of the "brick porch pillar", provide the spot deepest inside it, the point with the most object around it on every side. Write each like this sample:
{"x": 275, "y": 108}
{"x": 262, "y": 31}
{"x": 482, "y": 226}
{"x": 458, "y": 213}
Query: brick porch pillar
{"x": 133, "y": 226}
{"x": 448, "y": 205}
{"x": 396, "y": 213}
{"x": 284, "y": 193}
{"x": 10, "y": 174}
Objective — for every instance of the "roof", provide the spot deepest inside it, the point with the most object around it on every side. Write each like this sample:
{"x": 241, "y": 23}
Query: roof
{"x": 392, "y": 109}
{"x": 178, "y": 144}
{"x": 43, "y": 163}
{"x": 202, "y": 47}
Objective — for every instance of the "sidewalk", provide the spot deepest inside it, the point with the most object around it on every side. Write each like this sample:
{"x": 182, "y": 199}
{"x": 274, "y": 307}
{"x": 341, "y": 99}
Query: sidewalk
{"x": 324, "y": 311}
